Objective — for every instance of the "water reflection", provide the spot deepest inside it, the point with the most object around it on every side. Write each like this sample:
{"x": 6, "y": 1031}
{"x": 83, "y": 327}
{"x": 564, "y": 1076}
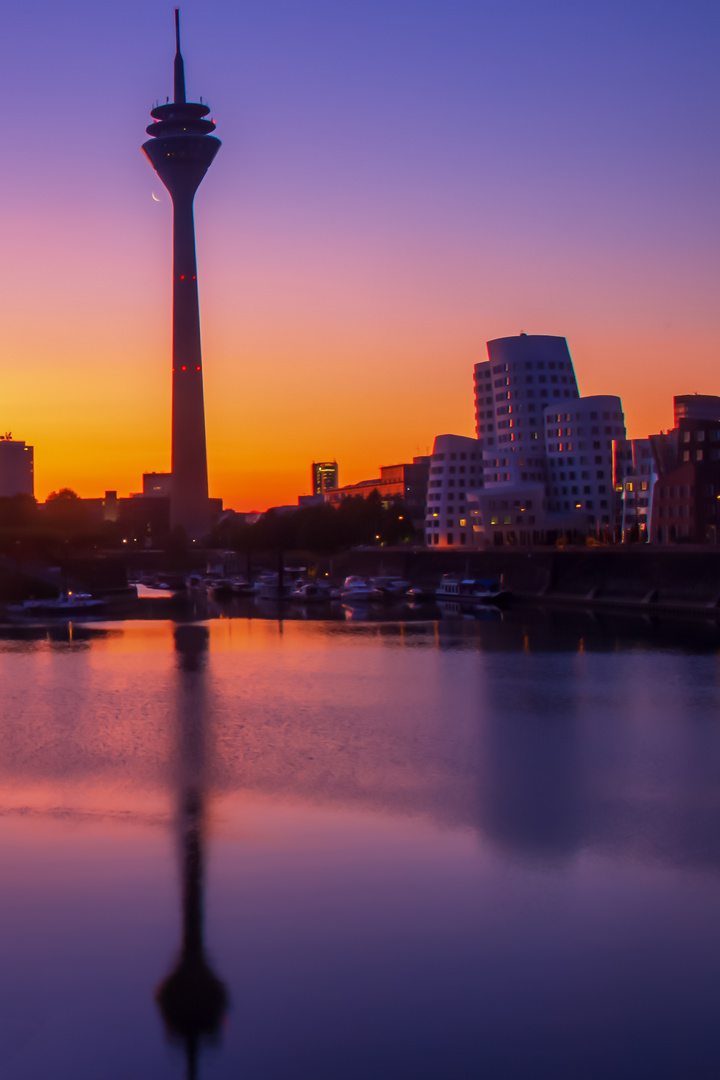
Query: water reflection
{"x": 192, "y": 999}
{"x": 532, "y": 790}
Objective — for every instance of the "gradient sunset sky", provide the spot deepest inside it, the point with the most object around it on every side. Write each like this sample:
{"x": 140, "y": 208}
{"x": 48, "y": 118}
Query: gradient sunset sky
{"x": 400, "y": 181}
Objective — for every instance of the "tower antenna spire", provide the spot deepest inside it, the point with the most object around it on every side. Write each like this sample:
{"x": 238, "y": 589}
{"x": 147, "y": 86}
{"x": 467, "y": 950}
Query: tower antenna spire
{"x": 179, "y": 65}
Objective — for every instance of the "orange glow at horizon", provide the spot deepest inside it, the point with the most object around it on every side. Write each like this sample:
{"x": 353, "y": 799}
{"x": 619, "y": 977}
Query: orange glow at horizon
{"x": 365, "y": 367}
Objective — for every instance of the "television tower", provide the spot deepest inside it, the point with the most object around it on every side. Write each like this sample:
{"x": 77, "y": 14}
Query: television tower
{"x": 181, "y": 150}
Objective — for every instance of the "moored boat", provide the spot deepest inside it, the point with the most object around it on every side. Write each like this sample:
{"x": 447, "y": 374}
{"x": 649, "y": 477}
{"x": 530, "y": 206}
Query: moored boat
{"x": 357, "y": 588}
{"x": 472, "y": 590}
{"x": 68, "y": 603}
{"x": 312, "y": 592}
{"x": 391, "y": 588}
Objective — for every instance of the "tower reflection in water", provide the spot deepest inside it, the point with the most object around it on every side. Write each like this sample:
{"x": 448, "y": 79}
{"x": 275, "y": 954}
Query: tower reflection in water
{"x": 192, "y": 999}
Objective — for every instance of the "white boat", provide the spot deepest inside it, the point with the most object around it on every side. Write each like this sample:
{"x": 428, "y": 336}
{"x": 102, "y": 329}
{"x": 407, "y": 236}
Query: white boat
{"x": 392, "y": 588}
{"x": 312, "y": 592}
{"x": 357, "y": 588}
{"x": 471, "y": 590}
{"x": 68, "y": 603}
{"x": 268, "y": 587}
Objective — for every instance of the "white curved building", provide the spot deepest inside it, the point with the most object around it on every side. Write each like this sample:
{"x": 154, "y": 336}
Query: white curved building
{"x": 579, "y": 439}
{"x": 455, "y": 467}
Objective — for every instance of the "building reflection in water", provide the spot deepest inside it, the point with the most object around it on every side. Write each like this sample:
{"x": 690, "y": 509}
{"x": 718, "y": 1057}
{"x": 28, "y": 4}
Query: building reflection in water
{"x": 192, "y": 999}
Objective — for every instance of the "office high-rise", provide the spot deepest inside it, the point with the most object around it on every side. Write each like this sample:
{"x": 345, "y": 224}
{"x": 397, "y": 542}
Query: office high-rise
{"x": 324, "y": 476}
{"x": 16, "y": 467}
{"x": 181, "y": 150}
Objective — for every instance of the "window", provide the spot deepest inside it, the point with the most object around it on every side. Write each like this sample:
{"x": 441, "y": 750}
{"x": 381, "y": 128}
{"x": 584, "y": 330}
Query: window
{"x": 698, "y": 455}
{"x": 686, "y": 436}
{"x": 450, "y": 538}
{"x": 700, "y": 436}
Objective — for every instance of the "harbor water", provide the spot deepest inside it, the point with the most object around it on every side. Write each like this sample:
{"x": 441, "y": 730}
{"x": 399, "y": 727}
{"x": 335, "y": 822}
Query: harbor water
{"x": 435, "y": 850}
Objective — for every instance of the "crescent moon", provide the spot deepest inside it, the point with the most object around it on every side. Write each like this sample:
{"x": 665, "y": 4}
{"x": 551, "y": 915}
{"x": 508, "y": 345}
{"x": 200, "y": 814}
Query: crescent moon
{"x": 154, "y": 196}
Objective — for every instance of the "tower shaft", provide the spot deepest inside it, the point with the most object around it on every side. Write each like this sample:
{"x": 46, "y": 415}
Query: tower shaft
{"x": 189, "y": 506}
{"x": 181, "y": 150}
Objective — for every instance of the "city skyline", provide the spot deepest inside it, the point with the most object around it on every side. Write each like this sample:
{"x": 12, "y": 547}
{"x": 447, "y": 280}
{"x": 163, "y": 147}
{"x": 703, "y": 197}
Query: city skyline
{"x": 400, "y": 184}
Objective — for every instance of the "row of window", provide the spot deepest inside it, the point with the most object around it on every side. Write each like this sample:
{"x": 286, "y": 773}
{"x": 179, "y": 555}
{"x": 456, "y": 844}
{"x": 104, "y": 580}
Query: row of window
{"x": 448, "y": 509}
{"x": 512, "y": 395}
{"x": 699, "y": 455}
{"x": 507, "y": 520}
{"x": 567, "y": 417}
{"x": 530, "y": 365}
{"x": 700, "y": 436}
{"x": 585, "y": 475}
{"x": 559, "y": 433}
{"x": 455, "y": 456}
{"x": 587, "y": 490}
{"x": 562, "y": 462}
{"x": 587, "y": 505}
{"x": 674, "y": 511}
{"x": 567, "y": 447}
{"x": 450, "y": 483}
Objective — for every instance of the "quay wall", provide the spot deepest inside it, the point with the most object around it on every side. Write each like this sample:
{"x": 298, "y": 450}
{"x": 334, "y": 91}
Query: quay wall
{"x": 636, "y": 576}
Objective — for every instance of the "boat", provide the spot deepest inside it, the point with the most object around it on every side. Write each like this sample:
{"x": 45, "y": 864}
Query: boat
{"x": 418, "y": 594}
{"x": 268, "y": 587}
{"x": 312, "y": 592}
{"x": 471, "y": 590}
{"x": 358, "y": 589}
{"x": 219, "y": 589}
{"x": 241, "y": 587}
{"x": 392, "y": 588}
{"x": 68, "y": 603}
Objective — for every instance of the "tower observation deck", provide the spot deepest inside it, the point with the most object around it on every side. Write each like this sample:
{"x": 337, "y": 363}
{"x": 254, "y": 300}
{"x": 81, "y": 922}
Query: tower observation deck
{"x": 181, "y": 150}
